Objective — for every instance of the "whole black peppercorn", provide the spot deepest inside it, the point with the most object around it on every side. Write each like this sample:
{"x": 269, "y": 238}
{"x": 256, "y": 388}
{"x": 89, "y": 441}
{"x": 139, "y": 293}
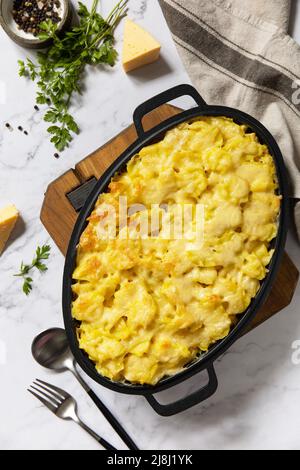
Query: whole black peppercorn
{"x": 28, "y": 14}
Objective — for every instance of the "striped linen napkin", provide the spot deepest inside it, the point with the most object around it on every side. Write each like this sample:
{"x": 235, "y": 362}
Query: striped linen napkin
{"x": 238, "y": 53}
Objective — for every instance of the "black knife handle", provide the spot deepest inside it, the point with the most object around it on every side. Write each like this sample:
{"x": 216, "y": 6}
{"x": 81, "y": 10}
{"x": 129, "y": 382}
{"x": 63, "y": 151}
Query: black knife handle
{"x": 112, "y": 421}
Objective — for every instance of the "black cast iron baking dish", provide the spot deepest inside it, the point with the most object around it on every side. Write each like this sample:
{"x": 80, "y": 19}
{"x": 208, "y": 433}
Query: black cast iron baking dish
{"x": 206, "y": 360}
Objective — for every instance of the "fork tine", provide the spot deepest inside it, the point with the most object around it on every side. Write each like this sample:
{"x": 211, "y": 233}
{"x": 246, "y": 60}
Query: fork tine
{"x": 55, "y": 401}
{"x": 51, "y": 387}
{"x": 53, "y": 394}
{"x": 45, "y": 402}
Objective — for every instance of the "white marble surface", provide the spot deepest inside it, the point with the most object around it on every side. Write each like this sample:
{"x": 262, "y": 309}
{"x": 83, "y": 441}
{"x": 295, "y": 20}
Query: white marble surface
{"x": 256, "y": 405}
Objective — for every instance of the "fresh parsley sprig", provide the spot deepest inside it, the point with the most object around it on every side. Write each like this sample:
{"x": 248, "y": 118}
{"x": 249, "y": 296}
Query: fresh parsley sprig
{"x": 59, "y": 70}
{"x": 41, "y": 254}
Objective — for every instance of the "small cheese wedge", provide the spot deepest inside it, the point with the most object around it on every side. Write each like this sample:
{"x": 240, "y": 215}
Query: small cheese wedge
{"x": 139, "y": 47}
{"x": 8, "y": 219}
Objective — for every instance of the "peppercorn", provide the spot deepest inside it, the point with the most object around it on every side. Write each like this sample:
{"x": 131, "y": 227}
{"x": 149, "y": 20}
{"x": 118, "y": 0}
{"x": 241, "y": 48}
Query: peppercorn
{"x": 29, "y": 14}
{"x": 20, "y": 128}
{"x": 56, "y": 155}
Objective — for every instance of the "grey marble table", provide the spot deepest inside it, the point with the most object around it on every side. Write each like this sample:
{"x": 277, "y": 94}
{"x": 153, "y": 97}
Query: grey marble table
{"x": 257, "y": 403}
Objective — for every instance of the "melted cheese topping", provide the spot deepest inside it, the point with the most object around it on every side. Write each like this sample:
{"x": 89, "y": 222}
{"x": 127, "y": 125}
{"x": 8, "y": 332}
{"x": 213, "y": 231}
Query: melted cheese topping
{"x": 147, "y": 307}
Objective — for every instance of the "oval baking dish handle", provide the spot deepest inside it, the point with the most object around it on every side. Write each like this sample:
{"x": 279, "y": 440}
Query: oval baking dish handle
{"x": 189, "y": 401}
{"x": 163, "y": 98}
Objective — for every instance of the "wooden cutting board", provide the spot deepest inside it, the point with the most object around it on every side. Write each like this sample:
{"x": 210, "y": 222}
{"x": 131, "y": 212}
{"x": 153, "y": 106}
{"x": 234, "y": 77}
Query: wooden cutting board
{"x": 66, "y": 195}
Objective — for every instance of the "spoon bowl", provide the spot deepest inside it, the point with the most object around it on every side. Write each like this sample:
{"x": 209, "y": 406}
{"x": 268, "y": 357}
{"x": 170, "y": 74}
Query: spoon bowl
{"x": 51, "y": 350}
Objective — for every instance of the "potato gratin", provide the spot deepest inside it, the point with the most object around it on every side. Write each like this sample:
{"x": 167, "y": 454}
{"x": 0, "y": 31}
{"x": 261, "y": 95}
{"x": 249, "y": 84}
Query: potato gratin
{"x": 147, "y": 307}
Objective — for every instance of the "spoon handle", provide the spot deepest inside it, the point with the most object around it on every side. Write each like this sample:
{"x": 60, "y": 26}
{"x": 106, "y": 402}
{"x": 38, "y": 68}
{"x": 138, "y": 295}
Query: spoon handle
{"x": 107, "y": 413}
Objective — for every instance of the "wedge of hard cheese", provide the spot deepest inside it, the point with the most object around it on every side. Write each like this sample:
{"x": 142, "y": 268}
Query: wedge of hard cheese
{"x": 139, "y": 47}
{"x": 8, "y": 218}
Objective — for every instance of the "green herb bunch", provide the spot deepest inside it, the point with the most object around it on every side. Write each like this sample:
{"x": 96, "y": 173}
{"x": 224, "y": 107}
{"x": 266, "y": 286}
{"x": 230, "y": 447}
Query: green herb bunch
{"x": 59, "y": 71}
{"x": 41, "y": 254}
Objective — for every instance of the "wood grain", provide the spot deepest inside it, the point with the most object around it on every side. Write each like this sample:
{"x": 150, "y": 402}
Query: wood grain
{"x": 59, "y": 216}
{"x": 96, "y": 163}
{"x": 281, "y": 293}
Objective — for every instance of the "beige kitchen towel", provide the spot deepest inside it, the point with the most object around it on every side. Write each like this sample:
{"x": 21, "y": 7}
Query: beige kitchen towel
{"x": 238, "y": 53}
{"x": 273, "y": 11}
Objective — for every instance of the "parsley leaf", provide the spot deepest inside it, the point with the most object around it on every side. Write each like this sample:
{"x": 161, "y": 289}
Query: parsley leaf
{"x": 58, "y": 71}
{"x": 41, "y": 254}
{"x": 27, "y": 285}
